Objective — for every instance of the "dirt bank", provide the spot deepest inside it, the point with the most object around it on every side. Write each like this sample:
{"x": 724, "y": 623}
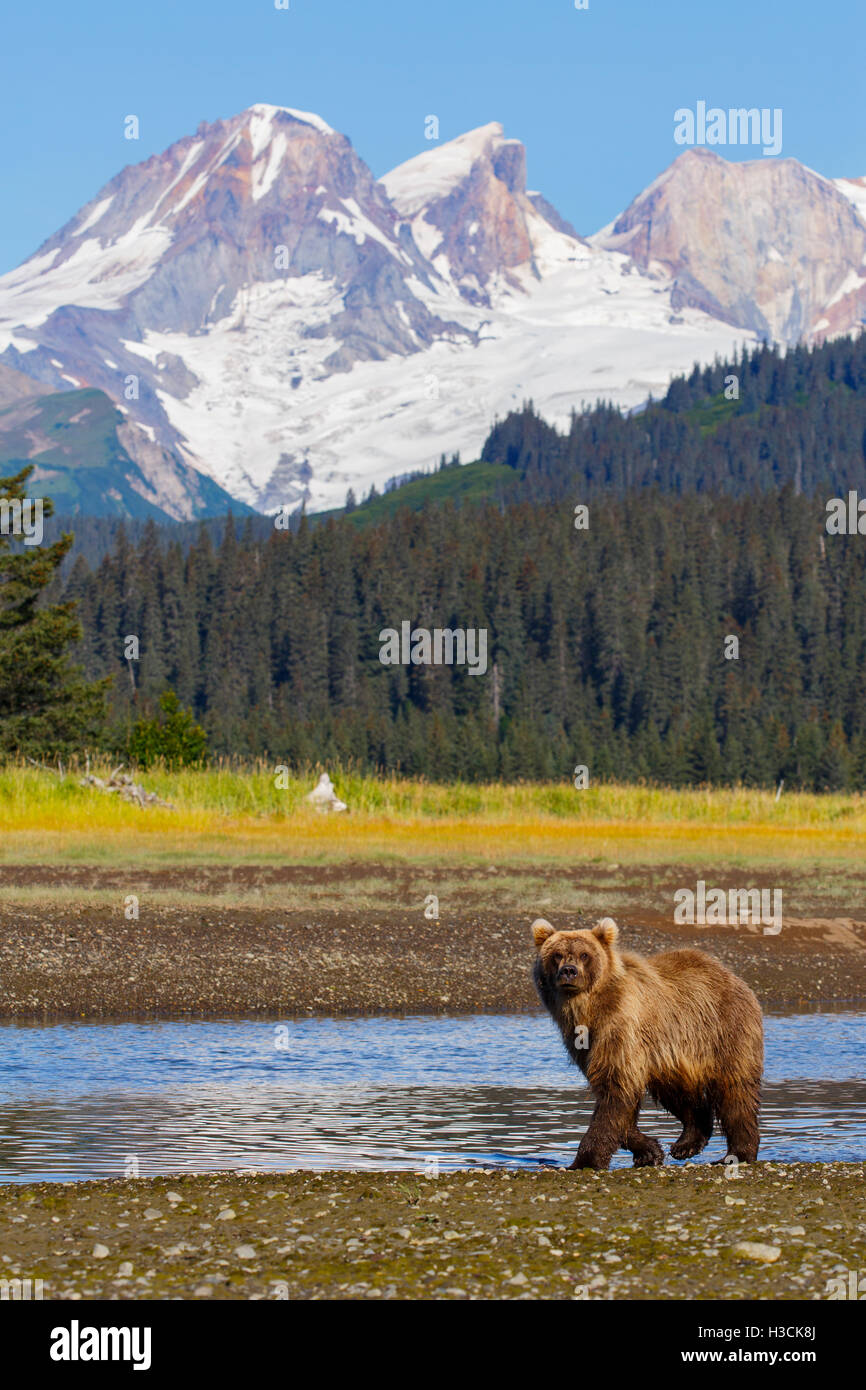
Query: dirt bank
{"x": 670, "y": 1233}
{"x": 90, "y": 962}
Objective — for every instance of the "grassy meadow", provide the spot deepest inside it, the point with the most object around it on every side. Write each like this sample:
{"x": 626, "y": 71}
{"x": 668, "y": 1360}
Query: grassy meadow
{"x": 226, "y": 814}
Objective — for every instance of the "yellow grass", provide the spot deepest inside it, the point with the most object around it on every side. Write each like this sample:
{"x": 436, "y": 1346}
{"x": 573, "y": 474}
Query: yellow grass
{"x": 225, "y": 814}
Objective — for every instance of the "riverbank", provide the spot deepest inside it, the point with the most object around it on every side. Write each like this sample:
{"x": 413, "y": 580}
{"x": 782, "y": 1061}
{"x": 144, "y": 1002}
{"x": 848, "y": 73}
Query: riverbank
{"x": 672, "y": 1233}
{"x": 199, "y": 949}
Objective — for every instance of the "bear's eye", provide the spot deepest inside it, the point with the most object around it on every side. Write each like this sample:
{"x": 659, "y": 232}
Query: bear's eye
{"x": 557, "y": 960}
{"x": 584, "y": 956}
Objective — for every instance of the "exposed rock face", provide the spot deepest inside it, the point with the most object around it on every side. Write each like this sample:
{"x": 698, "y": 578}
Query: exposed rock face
{"x": 88, "y": 459}
{"x": 767, "y": 245}
{"x": 165, "y": 480}
{"x": 15, "y": 386}
{"x": 470, "y": 212}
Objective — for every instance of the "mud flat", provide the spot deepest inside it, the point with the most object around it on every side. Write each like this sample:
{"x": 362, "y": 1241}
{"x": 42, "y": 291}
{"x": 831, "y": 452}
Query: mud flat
{"x": 88, "y": 961}
{"x": 666, "y": 1233}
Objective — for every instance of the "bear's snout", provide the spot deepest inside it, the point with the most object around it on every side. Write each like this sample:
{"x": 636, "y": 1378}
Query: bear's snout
{"x": 566, "y": 974}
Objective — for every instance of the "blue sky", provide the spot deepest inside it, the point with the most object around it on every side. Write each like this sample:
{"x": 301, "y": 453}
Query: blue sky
{"x": 590, "y": 93}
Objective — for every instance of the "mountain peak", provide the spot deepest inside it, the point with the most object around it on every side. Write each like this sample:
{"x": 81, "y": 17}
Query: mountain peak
{"x": 434, "y": 174}
{"x": 263, "y": 111}
{"x": 471, "y": 215}
{"x": 764, "y": 244}
{"x": 262, "y": 246}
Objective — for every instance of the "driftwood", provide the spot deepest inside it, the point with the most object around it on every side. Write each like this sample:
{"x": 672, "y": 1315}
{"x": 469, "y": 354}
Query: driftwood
{"x": 57, "y": 771}
{"x": 122, "y": 785}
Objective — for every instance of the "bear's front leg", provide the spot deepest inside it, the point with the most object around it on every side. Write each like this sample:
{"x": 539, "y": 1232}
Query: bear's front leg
{"x": 608, "y": 1129}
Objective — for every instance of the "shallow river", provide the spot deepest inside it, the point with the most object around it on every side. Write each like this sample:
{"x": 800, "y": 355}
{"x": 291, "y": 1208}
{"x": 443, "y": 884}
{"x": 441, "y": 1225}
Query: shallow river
{"x": 100, "y": 1100}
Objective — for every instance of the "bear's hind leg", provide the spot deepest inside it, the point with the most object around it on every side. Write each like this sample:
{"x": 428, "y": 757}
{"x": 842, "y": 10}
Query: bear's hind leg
{"x": 647, "y": 1152}
{"x": 696, "y": 1117}
{"x": 737, "y": 1114}
{"x": 697, "y": 1125}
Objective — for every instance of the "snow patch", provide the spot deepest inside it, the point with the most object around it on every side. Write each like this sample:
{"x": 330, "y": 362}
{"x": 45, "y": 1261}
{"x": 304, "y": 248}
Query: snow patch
{"x": 93, "y": 277}
{"x": 583, "y": 333}
{"x": 355, "y": 223}
{"x": 855, "y": 191}
{"x": 198, "y": 184}
{"x": 265, "y": 171}
{"x": 189, "y": 160}
{"x": 265, "y": 114}
{"x": 852, "y": 282}
{"x": 436, "y": 173}
{"x": 96, "y": 215}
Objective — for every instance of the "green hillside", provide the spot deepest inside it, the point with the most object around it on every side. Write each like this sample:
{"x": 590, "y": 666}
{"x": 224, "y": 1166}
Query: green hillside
{"x": 463, "y": 483}
{"x": 71, "y": 438}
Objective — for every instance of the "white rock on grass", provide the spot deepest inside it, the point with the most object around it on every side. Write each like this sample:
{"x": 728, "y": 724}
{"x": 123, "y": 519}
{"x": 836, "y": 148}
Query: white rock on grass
{"x": 323, "y": 796}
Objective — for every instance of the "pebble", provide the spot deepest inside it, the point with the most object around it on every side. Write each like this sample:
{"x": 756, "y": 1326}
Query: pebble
{"x": 756, "y": 1250}
{"x": 100, "y": 1252}
{"x": 245, "y": 1252}
{"x": 226, "y": 1214}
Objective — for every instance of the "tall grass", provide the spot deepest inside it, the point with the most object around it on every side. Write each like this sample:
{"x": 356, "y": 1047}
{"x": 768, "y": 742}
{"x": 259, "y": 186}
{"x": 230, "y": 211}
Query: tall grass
{"x": 225, "y": 789}
{"x": 226, "y": 811}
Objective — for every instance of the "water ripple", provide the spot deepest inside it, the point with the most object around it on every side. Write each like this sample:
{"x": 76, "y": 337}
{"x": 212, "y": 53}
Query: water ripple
{"x": 83, "y": 1100}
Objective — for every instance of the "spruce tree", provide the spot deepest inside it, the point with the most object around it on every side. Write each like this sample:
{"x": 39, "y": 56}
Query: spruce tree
{"x": 46, "y": 709}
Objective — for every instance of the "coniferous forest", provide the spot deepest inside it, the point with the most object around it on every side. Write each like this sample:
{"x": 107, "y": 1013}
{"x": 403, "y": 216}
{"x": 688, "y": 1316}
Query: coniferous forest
{"x": 609, "y": 646}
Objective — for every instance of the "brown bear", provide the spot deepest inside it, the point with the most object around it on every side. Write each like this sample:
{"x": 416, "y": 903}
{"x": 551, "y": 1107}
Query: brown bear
{"x": 678, "y": 1025}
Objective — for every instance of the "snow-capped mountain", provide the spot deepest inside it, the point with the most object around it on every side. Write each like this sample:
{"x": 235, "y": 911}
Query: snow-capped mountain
{"x": 767, "y": 245}
{"x": 262, "y": 309}
{"x": 470, "y": 214}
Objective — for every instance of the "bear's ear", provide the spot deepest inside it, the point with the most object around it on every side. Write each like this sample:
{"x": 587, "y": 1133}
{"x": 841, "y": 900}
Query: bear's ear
{"x": 606, "y": 931}
{"x": 541, "y": 930}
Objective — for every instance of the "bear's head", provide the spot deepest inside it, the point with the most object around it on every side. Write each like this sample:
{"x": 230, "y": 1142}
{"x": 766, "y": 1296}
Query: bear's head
{"x": 575, "y": 962}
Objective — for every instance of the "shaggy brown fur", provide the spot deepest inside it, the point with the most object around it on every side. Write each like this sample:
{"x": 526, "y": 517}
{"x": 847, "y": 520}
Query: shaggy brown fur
{"x": 678, "y": 1025}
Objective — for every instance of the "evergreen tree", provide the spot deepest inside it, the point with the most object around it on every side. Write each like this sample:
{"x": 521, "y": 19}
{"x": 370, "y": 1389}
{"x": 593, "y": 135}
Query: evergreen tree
{"x": 46, "y": 709}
